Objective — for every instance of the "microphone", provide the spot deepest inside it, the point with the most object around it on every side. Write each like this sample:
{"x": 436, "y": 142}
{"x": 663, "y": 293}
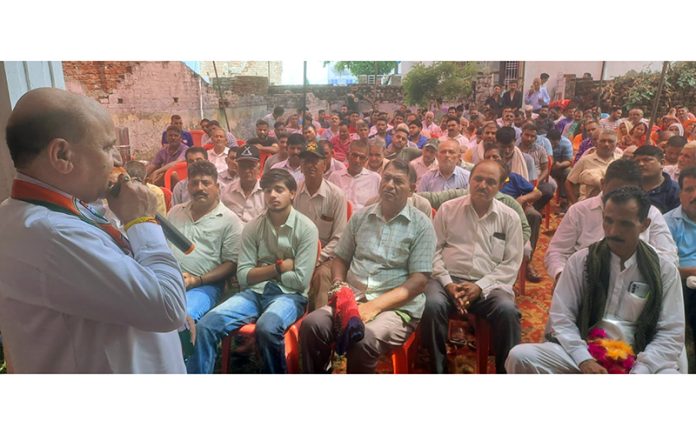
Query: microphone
{"x": 171, "y": 233}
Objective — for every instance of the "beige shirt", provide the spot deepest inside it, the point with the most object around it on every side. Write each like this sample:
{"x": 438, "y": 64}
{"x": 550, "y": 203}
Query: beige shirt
{"x": 328, "y": 210}
{"x": 487, "y": 250}
{"x": 358, "y": 189}
{"x": 216, "y": 235}
{"x": 225, "y": 179}
{"x": 161, "y": 204}
{"x": 589, "y": 171}
{"x": 247, "y": 208}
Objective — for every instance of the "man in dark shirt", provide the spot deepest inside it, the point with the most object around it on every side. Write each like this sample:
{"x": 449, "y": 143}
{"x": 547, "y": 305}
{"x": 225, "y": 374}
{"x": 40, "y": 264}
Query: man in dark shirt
{"x": 513, "y": 97}
{"x": 186, "y": 137}
{"x": 662, "y": 191}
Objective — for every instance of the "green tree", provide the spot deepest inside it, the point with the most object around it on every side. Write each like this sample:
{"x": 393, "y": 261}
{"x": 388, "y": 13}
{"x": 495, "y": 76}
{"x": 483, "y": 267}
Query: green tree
{"x": 447, "y": 80}
{"x": 365, "y": 67}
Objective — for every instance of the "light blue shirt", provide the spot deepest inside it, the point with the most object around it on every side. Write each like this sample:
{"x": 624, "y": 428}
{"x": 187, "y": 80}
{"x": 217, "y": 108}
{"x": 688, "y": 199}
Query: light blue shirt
{"x": 434, "y": 181}
{"x": 683, "y": 232}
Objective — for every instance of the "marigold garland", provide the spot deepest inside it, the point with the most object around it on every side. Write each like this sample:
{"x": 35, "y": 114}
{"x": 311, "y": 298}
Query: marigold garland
{"x": 614, "y": 355}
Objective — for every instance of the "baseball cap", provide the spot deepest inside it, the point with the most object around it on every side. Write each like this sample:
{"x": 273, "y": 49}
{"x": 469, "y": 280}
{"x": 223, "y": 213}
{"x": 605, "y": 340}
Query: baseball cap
{"x": 314, "y": 149}
{"x": 248, "y": 152}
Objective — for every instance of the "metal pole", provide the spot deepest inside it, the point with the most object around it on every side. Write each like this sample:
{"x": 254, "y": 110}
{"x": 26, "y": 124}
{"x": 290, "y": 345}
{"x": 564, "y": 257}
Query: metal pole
{"x": 224, "y": 110}
{"x": 304, "y": 93}
{"x": 601, "y": 85}
{"x": 656, "y": 102}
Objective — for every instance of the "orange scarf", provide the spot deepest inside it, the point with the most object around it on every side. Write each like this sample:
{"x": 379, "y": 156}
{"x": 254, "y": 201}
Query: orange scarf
{"x": 38, "y": 195}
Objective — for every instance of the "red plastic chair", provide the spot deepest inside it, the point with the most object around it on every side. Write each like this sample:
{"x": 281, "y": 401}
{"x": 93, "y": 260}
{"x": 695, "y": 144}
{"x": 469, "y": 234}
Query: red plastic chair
{"x": 483, "y": 339}
{"x": 403, "y": 356}
{"x": 263, "y": 156}
{"x": 349, "y": 209}
{"x": 181, "y": 169}
{"x": 433, "y": 213}
{"x": 521, "y": 282}
{"x": 547, "y": 208}
{"x": 197, "y": 136}
{"x": 240, "y": 142}
{"x": 292, "y": 341}
{"x": 167, "y": 197}
{"x": 208, "y": 146}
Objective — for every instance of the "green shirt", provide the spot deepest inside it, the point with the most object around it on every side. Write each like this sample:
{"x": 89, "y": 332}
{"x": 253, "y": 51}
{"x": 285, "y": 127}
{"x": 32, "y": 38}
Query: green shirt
{"x": 297, "y": 238}
{"x": 383, "y": 254}
{"x": 216, "y": 235}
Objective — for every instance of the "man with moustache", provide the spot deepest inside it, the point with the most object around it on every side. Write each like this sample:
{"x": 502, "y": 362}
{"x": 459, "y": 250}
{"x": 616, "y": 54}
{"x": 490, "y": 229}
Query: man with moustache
{"x": 448, "y": 174}
{"x": 216, "y": 233}
{"x": 619, "y": 284}
{"x": 359, "y": 183}
{"x": 244, "y": 196}
{"x": 276, "y": 262}
{"x": 180, "y": 192}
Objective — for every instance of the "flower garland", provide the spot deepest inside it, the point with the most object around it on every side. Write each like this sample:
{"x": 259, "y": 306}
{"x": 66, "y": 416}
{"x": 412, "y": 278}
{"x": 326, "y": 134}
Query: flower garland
{"x": 614, "y": 355}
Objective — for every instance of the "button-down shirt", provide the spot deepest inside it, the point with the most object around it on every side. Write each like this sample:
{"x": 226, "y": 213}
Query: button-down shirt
{"x": 582, "y": 226}
{"x": 434, "y": 181}
{"x": 246, "y": 207}
{"x": 487, "y": 249}
{"x": 295, "y": 172}
{"x": 421, "y": 167}
{"x": 262, "y": 245}
{"x": 539, "y": 157}
{"x": 71, "y": 301}
{"x": 186, "y": 138}
{"x": 382, "y": 254}
{"x": 589, "y": 170}
{"x": 340, "y": 147}
{"x": 537, "y": 98}
{"x": 358, "y": 189}
{"x": 225, "y": 179}
{"x": 218, "y": 159}
{"x": 683, "y": 232}
{"x": 432, "y": 130}
{"x": 335, "y": 166}
{"x": 673, "y": 171}
{"x": 164, "y": 156}
{"x": 180, "y": 193}
{"x": 622, "y": 311}
{"x": 216, "y": 235}
{"x": 327, "y": 208}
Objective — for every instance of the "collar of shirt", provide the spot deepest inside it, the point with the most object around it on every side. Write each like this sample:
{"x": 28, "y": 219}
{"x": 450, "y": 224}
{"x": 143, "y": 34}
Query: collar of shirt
{"x": 223, "y": 153}
{"x": 225, "y": 175}
{"x": 322, "y": 191}
{"x": 377, "y": 212}
{"x": 455, "y": 172}
{"x": 664, "y": 186}
{"x": 33, "y": 180}
{"x": 285, "y": 164}
{"x": 214, "y": 213}
{"x": 466, "y": 203}
{"x": 291, "y": 221}
{"x": 236, "y": 186}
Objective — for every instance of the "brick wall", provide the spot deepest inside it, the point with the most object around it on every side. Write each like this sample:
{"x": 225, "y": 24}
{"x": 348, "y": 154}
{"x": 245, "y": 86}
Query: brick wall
{"x": 241, "y": 68}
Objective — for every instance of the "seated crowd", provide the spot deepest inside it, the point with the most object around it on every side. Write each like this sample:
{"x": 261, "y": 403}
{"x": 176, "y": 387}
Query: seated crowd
{"x": 428, "y": 219}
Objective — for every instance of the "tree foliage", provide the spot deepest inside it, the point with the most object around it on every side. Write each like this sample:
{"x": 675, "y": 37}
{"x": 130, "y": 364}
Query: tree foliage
{"x": 365, "y": 67}
{"x": 446, "y": 80}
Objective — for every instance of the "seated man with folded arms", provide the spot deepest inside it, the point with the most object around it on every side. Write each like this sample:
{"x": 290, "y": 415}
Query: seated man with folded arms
{"x": 244, "y": 195}
{"x": 180, "y": 193}
{"x": 359, "y": 183}
{"x": 166, "y": 157}
{"x": 619, "y": 284}
{"x": 216, "y": 233}
{"x": 386, "y": 256}
{"x": 584, "y": 178}
{"x": 325, "y": 204}
{"x": 276, "y": 262}
{"x": 477, "y": 258}
{"x": 582, "y": 224}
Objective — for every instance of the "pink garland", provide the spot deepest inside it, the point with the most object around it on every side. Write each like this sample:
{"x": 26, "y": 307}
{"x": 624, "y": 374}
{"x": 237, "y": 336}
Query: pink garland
{"x": 614, "y": 355}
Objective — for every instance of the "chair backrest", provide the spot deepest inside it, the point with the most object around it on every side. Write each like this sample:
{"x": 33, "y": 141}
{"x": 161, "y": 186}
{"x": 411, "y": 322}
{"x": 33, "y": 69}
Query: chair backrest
{"x": 181, "y": 169}
{"x": 197, "y": 136}
{"x": 263, "y": 156}
{"x": 167, "y": 197}
{"x": 433, "y": 213}
{"x": 349, "y": 209}
{"x": 240, "y": 142}
{"x": 208, "y": 146}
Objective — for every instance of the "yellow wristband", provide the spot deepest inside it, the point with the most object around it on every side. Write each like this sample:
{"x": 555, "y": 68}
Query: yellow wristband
{"x": 139, "y": 220}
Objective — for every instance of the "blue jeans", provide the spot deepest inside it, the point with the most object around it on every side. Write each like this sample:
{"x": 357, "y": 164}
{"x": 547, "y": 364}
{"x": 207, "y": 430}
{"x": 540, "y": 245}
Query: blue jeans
{"x": 200, "y": 300}
{"x": 273, "y": 311}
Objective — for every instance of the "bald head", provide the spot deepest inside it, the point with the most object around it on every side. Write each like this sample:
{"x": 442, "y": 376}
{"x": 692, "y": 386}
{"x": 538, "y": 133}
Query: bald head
{"x": 44, "y": 114}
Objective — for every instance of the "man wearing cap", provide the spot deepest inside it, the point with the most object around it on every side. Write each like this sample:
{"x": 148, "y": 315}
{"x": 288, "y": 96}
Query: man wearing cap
{"x": 244, "y": 195}
{"x": 296, "y": 144}
{"x": 325, "y": 204}
{"x": 358, "y": 183}
{"x": 427, "y": 160}
{"x": 216, "y": 233}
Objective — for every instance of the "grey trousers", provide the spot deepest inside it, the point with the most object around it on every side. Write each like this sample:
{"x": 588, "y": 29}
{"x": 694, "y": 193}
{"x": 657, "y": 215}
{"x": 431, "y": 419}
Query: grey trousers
{"x": 498, "y": 308}
{"x": 384, "y": 332}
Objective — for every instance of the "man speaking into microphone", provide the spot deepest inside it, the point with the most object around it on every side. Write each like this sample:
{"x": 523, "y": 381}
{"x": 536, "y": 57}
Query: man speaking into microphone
{"x": 76, "y": 295}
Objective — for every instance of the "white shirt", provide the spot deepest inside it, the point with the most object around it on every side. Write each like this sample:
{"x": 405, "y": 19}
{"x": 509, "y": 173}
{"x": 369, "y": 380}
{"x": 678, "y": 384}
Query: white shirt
{"x": 582, "y": 226}
{"x": 622, "y": 311}
{"x": 487, "y": 250}
{"x": 358, "y": 189}
{"x": 180, "y": 193}
{"x": 295, "y": 172}
{"x": 72, "y": 302}
{"x": 247, "y": 208}
{"x": 335, "y": 167}
{"x": 224, "y": 179}
{"x": 218, "y": 159}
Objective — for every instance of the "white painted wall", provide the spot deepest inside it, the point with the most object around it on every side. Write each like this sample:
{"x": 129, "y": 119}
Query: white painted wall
{"x": 16, "y": 78}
